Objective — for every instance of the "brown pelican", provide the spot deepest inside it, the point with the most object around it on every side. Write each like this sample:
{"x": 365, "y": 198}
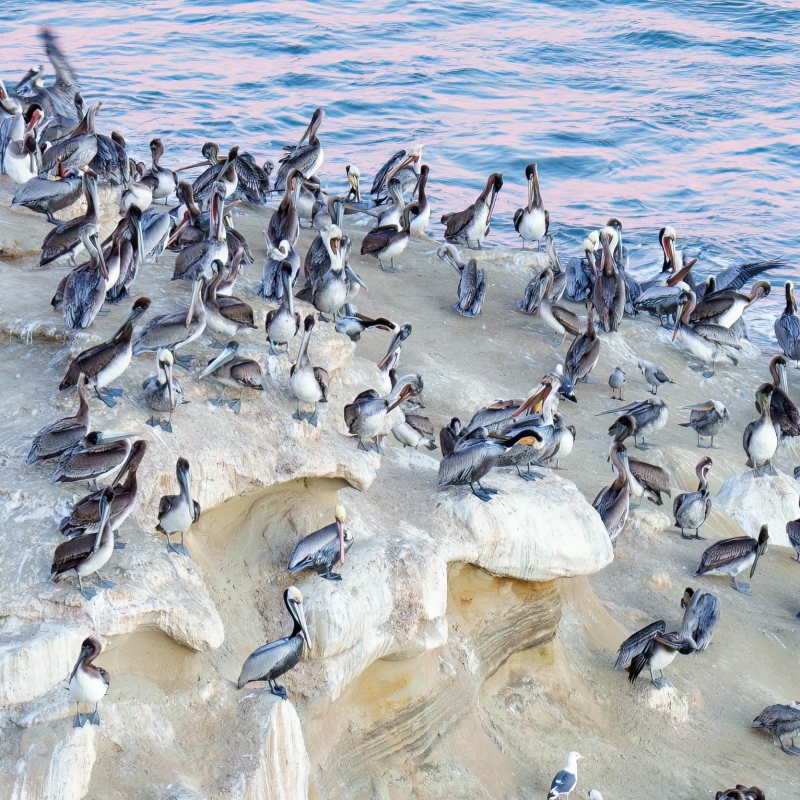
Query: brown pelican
{"x": 471, "y": 226}
{"x": 783, "y": 723}
{"x": 617, "y": 381}
{"x": 536, "y": 286}
{"x": 649, "y": 415}
{"x": 787, "y": 327}
{"x": 111, "y": 159}
{"x": 306, "y": 159}
{"x": 706, "y": 341}
{"x": 700, "y": 616}
{"x": 741, "y": 792}
{"x": 162, "y": 391}
{"x": 85, "y": 515}
{"x": 644, "y": 479}
{"x": 761, "y": 437}
{"x": 449, "y": 435}
{"x": 97, "y": 454}
{"x": 232, "y": 370}
{"x": 162, "y": 181}
{"x": 706, "y": 419}
{"x": 663, "y": 297}
{"x": 581, "y": 272}
{"x": 276, "y": 658}
{"x": 88, "y": 683}
{"x": 609, "y": 289}
{"x": 21, "y": 157}
{"x": 172, "y": 331}
{"x": 329, "y": 291}
{"x": 84, "y": 290}
{"x": 732, "y": 556}
{"x": 583, "y": 352}
{"x": 691, "y": 509}
{"x": 67, "y": 237}
{"x": 283, "y": 323}
{"x": 653, "y": 375}
{"x": 76, "y": 150}
{"x": 388, "y": 243}
{"x": 249, "y": 181}
{"x": 89, "y": 553}
{"x": 366, "y": 415}
{"x": 177, "y": 512}
{"x": 391, "y": 216}
{"x": 566, "y": 779}
{"x": 47, "y": 196}
{"x": 285, "y": 222}
{"x": 782, "y": 408}
{"x": 271, "y": 286}
{"x": 136, "y": 195}
{"x": 611, "y": 502}
{"x": 793, "y": 534}
{"x": 309, "y": 383}
{"x": 559, "y": 319}
{"x": 224, "y": 172}
{"x": 324, "y": 548}
{"x": 415, "y": 430}
{"x": 423, "y": 215}
{"x": 725, "y": 307}
{"x": 226, "y": 315}
{"x": 104, "y": 363}
{"x": 472, "y": 282}
{"x": 654, "y": 648}
{"x": 532, "y": 222}
{"x": 153, "y": 229}
{"x": 196, "y": 259}
{"x": 476, "y": 455}
{"x": 65, "y": 433}
{"x": 354, "y": 324}
{"x": 403, "y": 165}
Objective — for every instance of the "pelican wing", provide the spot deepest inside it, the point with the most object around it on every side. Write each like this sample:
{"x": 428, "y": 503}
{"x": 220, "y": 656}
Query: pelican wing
{"x": 713, "y": 307}
{"x": 650, "y": 476}
{"x": 307, "y": 551}
{"x": 383, "y": 172}
{"x": 736, "y": 277}
{"x": 638, "y": 642}
{"x": 701, "y": 618}
{"x": 457, "y": 467}
{"x": 270, "y": 659}
{"x": 421, "y": 424}
{"x": 70, "y": 553}
{"x": 457, "y": 221}
{"x": 722, "y": 553}
{"x": 718, "y": 334}
{"x": 377, "y": 239}
{"x": 65, "y": 75}
{"x": 777, "y": 715}
{"x": 248, "y": 373}
{"x": 568, "y": 319}
{"x": 236, "y": 310}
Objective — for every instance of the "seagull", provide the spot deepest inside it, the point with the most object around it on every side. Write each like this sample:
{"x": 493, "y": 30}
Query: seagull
{"x": 617, "y": 381}
{"x": 654, "y": 375}
{"x": 567, "y": 779}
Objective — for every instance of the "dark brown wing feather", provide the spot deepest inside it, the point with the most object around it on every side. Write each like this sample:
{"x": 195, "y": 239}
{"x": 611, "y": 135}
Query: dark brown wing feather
{"x": 637, "y": 642}
{"x": 70, "y": 553}
{"x": 721, "y": 553}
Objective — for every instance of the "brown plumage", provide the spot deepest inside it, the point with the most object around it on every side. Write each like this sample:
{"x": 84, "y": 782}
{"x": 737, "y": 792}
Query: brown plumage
{"x": 63, "y": 434}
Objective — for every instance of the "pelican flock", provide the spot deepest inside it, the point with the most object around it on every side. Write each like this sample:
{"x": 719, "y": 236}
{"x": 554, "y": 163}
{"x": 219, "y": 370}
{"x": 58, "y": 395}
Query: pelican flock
{"x": 312, "y": 298}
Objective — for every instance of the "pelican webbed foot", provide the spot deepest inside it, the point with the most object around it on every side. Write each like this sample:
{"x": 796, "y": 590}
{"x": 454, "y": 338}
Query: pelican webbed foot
{"x": 118, "y": 545}
{"x": 79, "y": 720}
{"x": 790, "y": 751}
{"x": 662, "y": 682}
{"x": 376, "y": 447}
{"x": 166, "y": 427}
{"x": 94, "y": 718}
{"x": 236, "y": 406}
{"x": 330, "y": 576}
{"x": 184, "y": 362}
{"x": 698, "y": 536}
{"x": 744, "y": 588}
{"x": 313, "y": 419}
{"x": 106, "y": 396}
{"x": 278, "y": 691}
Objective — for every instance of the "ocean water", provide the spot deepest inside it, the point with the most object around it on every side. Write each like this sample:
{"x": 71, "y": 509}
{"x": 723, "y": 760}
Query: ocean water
{"x": 683, "y": 113}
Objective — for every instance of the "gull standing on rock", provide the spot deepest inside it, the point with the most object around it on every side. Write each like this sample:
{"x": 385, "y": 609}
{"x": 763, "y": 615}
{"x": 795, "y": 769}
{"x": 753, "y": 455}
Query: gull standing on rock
{"x": 706, "y": 419}
{"x": 566, "y": 780}
{"x": 654, "y": 375}
{"x": 732, "y": 556}
{"x": 617, "y": 382}
{"x": 691, "y": 509}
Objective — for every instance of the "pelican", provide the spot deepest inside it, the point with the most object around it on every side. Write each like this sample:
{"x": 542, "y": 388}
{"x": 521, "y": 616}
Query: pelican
{"x": 475, "y": 456}
{"x": 787, "y": 327}
{"x": 162, "y": 391}
{"x": 226, "y": 315}
{"x": 392, "y": 216}
{"x": 65, "y": 433}
{"x": 283, "y": 323}
{"x": 96, "y": 455}
{"x": 725, "y": 307}
{"x": 354, "y": 324}
{"x": 662, "y": 297}
{"x": 309, "y": 383}
{"x": 162, "y": 181}
{"x": 177, "y": 512}
{"x": 783, "y": 723}
{"x": 654, "y": 648}
{"x": 471, "y": 226}
{"x": 85, "y": 515}
{"x": 306, "y": 159}
{"x": 783, "y": 410}
{"x": 700, "y": 616}
{"x": 732, "y": 556}
{"x": 217, "y": 169}
{"x": 272, "y": 286}
{"x": 84, "y": 290}
{"x": 691, "y": 509}
{"x": 706, "y": 341}
{"x": 706, "y": 419}
{"x": 644, "y": 479}
{"x": 584, "y": 351}
{"x": 536, "y": 286}
{"x": 329, "y": 291}
{"x": 232, "y": 370}
{"x": 390, "y": 360}
{"x": 761, "y": 437}
{"x": 21, "y": 157}
{"x": 173, "y": 331}
{"x": 403, "y": 165}
{"x": 276, "y": 658}
{"x": 609, "y": 289}
{"x": 88, "y": 683}
{"x": 423, "y": 215}
{"x": 196, "y": 259}
{"x": 649, "y": 415}
{"x": 611, "y": 502}
{"x": 153, "y": 230}
{"x": 793, "y": 534}
{"x": 78, "y": 148}
{"x": 581, "y": 272}
{"x": 533, "y": 221}
{"x": 449, "y": 436}
{"x": 104, "y": 363}
{"x": 89, "y": 553}
{"x": 559, "y": 319}
{"x": 388, "y": 243}
{"x": 471, "y": 285}
{"x": 225, "y": 173}
{"x": 67, "y": 237}
{"x": 45, "y": 196}
{"x": 285, "y": 222}
{"x": 415, "y": 430}
{"x": 324, "y": 548}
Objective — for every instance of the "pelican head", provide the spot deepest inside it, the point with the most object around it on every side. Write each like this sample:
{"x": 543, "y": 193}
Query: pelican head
{"x": 293, "y": 600}
{"x": 666, "y": 238}
{"x": 226, "y": 355}
{"x": 354, "y": 179}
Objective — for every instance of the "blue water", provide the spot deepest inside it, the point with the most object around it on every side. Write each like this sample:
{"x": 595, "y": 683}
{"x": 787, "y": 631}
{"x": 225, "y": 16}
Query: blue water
{"x": 683, "y": 114}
